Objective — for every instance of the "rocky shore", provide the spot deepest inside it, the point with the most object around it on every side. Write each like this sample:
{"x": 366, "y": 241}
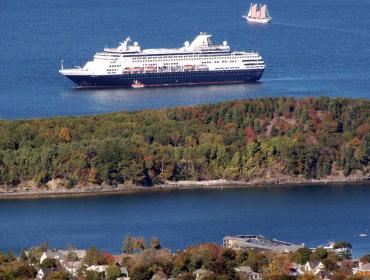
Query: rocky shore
{"x": 52, "y": 190}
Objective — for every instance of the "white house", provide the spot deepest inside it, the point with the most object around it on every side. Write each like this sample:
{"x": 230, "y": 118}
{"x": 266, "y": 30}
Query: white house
{"x": 72, "y": 267}
{"x": 247, "y": 272}
{"x": 362, "y": 268}
{"x": 314, "y": 267}
{"x": 52, "y": 255}
{"x": 97, "y": 268}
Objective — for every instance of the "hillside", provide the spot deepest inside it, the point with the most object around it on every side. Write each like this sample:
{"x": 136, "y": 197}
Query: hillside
{"x": 243, "y": 140}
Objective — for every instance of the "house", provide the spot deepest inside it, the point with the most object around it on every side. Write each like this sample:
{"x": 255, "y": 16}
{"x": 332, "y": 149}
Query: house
{"x": 124, "y": 274}
{"x": 200, "y": 273}
{"x": 97, "y": 268}
{"x": 62, "y": 255}
{"x": 79, "y": 253}
{"x": 43, "y": 272}
{"x": 362, "y": 269}
{"x": 59, "y": 256}
{"x": 124, "y": 271}
{"x": 72, "y": 267}
{"x": 314, "y": 267}
{"x": 246, "y": 272}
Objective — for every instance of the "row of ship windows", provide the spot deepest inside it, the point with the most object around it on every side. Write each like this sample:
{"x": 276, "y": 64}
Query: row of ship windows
{"x": 198, "y": 58}
{"x": 223, "y": 68}
{"x": 174, "y": 63}
{"x": 186, "y": 57}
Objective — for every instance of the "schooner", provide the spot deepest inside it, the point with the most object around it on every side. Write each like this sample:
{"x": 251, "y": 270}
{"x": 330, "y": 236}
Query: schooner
{"x": 258, "y": 15}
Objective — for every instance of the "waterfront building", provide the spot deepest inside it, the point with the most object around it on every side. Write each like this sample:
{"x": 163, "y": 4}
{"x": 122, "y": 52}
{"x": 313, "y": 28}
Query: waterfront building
{"x": 259, "y": 242}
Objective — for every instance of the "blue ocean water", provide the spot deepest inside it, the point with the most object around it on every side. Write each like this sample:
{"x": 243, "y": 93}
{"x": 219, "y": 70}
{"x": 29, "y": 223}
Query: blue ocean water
{"x": 311, "y": 48}
{"x": 309, "y": 214}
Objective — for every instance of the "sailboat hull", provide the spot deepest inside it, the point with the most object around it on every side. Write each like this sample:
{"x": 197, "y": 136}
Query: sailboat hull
{"x": 257, "y": 20}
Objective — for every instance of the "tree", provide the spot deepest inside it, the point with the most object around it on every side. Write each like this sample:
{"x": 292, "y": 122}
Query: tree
{"x": 71, "y": 256}
{"x": 319, "y": 254}
{"x": 65, "y": 134}
{"x": 93, "y": 275}
{"x": 330, "y": 264}
{"x": 128, "y": 245}
{"x": 155, "y": 243}
{"x": 229, "y": 256}
{"x": 49, "y": 263}
{"x": 58, "y": 275}
{"x": 302, "y": 255}
{"x": 112, "y": 272}
{"x": 256, "y": 260}
{"x": 186, "y": 276}
{"x": 365, "y": 258}
{"x": 342, "y": 244}
{"x": 141, "y": 272}
{"x": 139, "y": 243}
{"x": 17, "y": 270}
{"x": 94, "y": 257}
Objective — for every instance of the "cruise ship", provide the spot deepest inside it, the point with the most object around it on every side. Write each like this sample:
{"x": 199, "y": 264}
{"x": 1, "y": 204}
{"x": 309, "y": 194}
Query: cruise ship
{"x": 196, "y": 63}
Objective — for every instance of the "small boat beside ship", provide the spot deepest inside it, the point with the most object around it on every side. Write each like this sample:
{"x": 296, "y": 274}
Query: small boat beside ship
{"x": 137, "y": 84}
{"x": 258, "y": 14}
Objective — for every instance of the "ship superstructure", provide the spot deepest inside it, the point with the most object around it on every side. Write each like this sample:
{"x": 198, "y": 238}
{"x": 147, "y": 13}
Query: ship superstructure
{"x": 198, "y": 62}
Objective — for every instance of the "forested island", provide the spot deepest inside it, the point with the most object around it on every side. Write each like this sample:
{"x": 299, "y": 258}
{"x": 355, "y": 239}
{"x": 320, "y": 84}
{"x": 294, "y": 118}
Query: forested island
{"x": 255, "y": 140}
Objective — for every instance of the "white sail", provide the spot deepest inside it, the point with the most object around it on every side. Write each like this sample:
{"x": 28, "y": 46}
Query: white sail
{"x": 250, "y": 11}
{"x": 258, "y": 13}
{"x": 264, "y": 12}
{"x": 254, "y": 11}
{"x": 267, "y": 13}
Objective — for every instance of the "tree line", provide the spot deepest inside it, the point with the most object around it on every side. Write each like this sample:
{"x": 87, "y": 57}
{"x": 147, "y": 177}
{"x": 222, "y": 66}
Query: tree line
{"x": 241, "y": 140}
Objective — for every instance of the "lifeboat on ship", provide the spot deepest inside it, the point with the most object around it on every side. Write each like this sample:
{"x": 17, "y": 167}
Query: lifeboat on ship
{"x": 189, "y": 67}
{"x": 149, "y": 69}
{"x": 137, "y": 69}
{"x": 126, "y": 70}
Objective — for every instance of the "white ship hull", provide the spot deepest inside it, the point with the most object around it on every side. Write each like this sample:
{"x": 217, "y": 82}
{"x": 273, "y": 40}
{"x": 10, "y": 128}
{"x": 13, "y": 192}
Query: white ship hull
{"x": 257, "y": 20}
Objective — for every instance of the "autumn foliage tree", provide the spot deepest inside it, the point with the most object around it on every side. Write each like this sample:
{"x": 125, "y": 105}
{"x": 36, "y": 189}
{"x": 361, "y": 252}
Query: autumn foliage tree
{"x": 309, "y": 138}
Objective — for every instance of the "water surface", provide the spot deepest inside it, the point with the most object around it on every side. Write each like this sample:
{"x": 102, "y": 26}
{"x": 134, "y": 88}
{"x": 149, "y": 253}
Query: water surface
{"x": 311, "y": 214}
{"x": 311, "y": 48}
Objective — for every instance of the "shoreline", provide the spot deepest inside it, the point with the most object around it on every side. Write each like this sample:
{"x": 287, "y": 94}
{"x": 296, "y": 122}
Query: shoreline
{"x": 98, "y": 190}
